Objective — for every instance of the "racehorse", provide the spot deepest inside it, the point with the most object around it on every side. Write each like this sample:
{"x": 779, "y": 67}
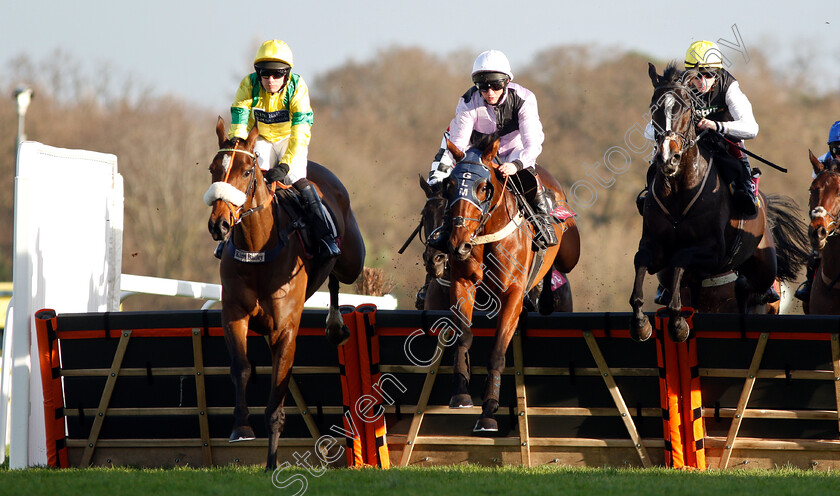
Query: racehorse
{"x": 490, "y": 251}
{"x": 557, "y": 298}
{"x": 689, "y": 225}
{"x": 267, "y": 274}
{"x": 825, "y": 213}
{"x": 717, "y": 293}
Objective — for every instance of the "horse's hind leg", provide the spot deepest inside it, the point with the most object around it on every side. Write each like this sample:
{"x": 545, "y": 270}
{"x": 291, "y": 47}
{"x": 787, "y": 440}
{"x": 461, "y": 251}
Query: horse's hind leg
{"x": 337, "y": 332}
{"x": 240, "y": 373}
{"x": 283, "y": 353}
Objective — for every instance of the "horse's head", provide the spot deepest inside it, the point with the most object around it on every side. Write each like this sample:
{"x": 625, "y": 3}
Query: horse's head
{"x": 824, "y": 202}
{"x": 235, "y": 176}
{"x": 470, "y": 191}
{"x": 432, "y": 216}
{"x": 671, "y": 116}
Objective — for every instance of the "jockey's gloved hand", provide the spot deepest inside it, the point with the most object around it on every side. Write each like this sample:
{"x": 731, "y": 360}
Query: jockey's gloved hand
{"x": 277, "y": 173}
{"x": 443, "y": 163}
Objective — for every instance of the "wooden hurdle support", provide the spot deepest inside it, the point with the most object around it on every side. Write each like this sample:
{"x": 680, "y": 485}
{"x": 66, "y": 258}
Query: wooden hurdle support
{"x": 153, "y": 389}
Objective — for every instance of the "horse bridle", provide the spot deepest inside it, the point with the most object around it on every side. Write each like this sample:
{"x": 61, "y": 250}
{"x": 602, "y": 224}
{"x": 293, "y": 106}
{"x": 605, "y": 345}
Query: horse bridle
{"x": 238, "y": 214}
{"x": 484, "y": 207}
{"x": 686, "y": 142}
{"x": 820, "y": 211}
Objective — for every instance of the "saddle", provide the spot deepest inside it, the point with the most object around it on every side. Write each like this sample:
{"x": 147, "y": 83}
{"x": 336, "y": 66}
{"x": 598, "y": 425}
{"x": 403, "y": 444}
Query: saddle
{"x": 292, "y": 204}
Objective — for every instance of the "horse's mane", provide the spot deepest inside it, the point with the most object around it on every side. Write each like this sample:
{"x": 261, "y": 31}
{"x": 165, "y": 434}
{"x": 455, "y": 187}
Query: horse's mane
{"x": 673, "y": 75}
{"x": 483, "y": 142}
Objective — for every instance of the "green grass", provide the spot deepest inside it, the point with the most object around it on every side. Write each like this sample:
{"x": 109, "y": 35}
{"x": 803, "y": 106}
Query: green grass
{"x": 453, "y": 480}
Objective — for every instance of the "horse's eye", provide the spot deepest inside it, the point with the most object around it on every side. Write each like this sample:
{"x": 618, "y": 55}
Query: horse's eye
{"x": 247, "y": 173}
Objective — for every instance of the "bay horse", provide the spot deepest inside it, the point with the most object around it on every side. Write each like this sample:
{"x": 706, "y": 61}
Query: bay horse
{"x": 267, "y": 274}
{"x": 824, "y": 206}
{"x": 552, "y": 294}
{"x": 490, "y": 251}
{"x": 690, "y": 227}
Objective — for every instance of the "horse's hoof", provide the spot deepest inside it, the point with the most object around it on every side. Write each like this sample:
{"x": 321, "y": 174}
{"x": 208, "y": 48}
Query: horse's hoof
{"x": 242, "y": 433}
{"x": 640, "y": 330}
{"x": 460, "y": 401}
{"x": 340, "y": 336}
{"x": 486, "y": 424}
{"x": 678, "y": 330}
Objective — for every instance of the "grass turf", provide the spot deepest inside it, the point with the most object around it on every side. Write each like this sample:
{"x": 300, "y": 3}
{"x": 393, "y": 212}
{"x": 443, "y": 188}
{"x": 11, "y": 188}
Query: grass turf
{"x": 459, "y": 480}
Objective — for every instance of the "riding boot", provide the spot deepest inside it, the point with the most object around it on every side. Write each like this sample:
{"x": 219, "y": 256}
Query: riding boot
{"x": 803, "y": 292}
{"x": 663, "y": 296}
{"x": 316, "y": 217}
{"x": 439, "y": 238}
{"x": 640, "y": 198}
{"x": 545, "y": 234}
{"x": 743, "y": 190}
{"x": 770, "y": 296}
{"x": 420, "y": 298}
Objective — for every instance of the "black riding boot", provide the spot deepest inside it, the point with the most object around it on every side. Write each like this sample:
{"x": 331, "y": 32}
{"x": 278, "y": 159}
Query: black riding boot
{"x": 316, "y": 218}
{"x": 803, "y": 292}
{"x": 545, "y": 234}
{"x": 743, "y": 190}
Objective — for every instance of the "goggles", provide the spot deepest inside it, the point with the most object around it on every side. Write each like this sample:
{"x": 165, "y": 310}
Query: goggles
{"x": 273, "y": 73}
{"x": 492, "y": 85}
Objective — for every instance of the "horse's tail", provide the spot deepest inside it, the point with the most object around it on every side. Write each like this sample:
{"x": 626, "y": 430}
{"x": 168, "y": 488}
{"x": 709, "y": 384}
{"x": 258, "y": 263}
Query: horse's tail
{"x": 790, "y": 234}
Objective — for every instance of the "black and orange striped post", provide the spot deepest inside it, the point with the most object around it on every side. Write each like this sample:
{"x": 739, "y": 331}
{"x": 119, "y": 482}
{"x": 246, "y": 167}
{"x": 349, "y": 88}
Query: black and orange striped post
{"x": 694, "y": 429}
{"x": 351, "y": 390}
{"x": 376, "y": 446}
{"x": 669, "y": 392}
{"x": 45, "y": 327}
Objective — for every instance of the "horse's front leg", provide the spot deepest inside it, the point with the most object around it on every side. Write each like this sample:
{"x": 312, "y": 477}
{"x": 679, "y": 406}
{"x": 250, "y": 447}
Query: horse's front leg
{"x": 282, "y": 345}
{"x": 677, "y": 326}
{"x": 505, "y": 327}
{"x": 640, "y": 329}
{"x": 462, "y": 310}
{"x": 240, "y": 373}
{"x": 337, "y": 332}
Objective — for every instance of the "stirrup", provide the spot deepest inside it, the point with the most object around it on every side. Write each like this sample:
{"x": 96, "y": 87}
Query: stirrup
{"x": 329, "y": 248}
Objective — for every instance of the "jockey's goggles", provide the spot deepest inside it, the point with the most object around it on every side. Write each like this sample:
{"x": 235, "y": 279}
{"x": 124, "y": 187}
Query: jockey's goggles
{"x": 492, "y": 85}
{"x": 834, "y": 148}
{"x": 705, "y": 73}
{"x": 276, "y": 74}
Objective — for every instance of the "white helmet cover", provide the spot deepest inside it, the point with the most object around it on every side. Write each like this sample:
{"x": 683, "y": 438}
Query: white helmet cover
{"x": 492, "y": 61}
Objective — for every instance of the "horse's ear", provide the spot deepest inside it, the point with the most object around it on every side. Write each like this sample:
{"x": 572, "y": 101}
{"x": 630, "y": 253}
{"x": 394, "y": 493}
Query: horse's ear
{"x": 654, "y": 77}
{"x": 815, "y": 162}
{"x": 490, "y": 154}
{"x": 457, "y": 154}
{"x": 425, "y": 185}
{"x": 220, "y": 131}
{"x": 252, "y": 137}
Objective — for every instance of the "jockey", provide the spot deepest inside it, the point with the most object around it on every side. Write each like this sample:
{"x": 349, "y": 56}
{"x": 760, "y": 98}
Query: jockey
{"x": 276, "y": 100}
{"x": 723, "y": 109}
{"x": 496, "y": 105}
{"x": 804, "y": 291}
{"x": 833, "y": 144}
